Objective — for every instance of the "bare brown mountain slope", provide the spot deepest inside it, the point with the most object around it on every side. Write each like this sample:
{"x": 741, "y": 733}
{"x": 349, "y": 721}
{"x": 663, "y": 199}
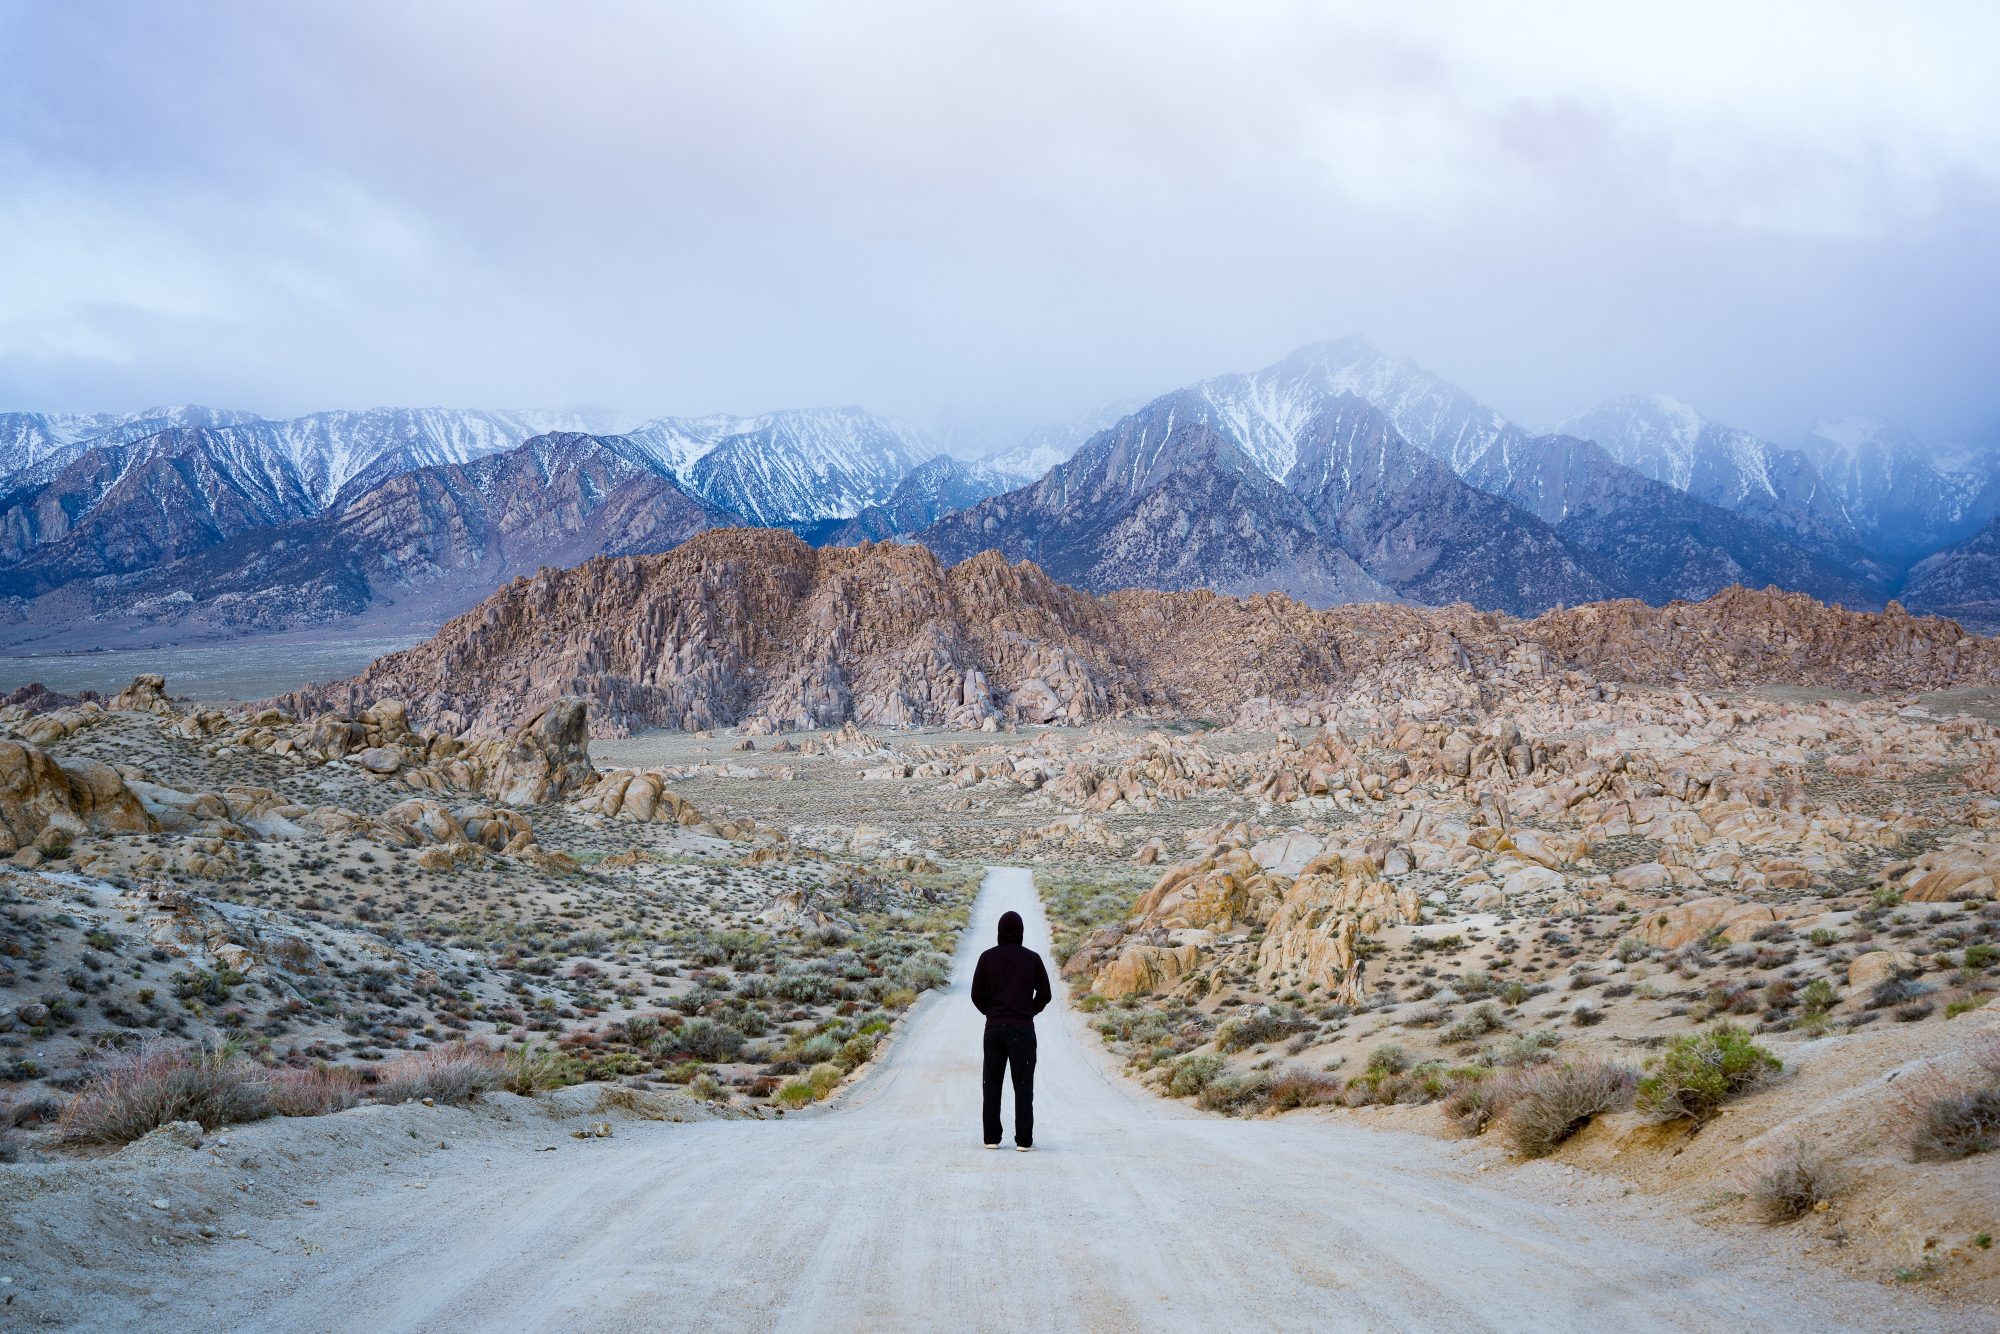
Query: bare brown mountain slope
{"x": 752, "y": 626}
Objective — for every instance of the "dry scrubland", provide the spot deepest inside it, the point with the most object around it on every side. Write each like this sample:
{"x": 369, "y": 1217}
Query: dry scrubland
{"x": 1735, "y": 946}
{"x": 227, "y": 916}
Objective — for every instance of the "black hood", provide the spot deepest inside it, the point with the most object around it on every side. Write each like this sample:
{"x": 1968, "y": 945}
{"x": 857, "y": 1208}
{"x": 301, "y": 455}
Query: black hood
{"x": 1011, "y": 929}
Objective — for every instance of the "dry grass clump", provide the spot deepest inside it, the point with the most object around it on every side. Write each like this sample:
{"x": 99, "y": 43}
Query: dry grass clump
{"x": 1790, "y": 1182}
{"x": 318, "y": 1091}
{"x": 455, "y": 1073}
{"x": 135, "y": 1090}
{"x": 1296, "y": 1086}
{"x": 1950, "y": 1119}
{"x": 1541, "y": 1106}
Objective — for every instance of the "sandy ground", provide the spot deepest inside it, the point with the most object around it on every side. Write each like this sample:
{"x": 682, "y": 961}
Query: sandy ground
{"x": 881, "y": 1211}
{"x": 245, "y": 669}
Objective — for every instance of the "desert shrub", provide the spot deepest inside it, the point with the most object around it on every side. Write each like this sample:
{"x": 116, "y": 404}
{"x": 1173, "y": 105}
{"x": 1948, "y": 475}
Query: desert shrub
{"x": 1543, "y": 1106}
{"x": 318, "y": 1091}
{"x": 1956, "y": 1123}
{"x": 819, "y": 1048}
{"x": 1388, "y": 1059}
{"x": 1955, "y": 1119}
{"x": 1192, "y": 1074}
{"x": 138, "y": 1089}
{"x": 31, "y": 1111}
{"x": 1265, "y": 1024}
{"x": 1296, "y": 1086}
{"x": 824, "y": 1078}
{"x": 708, "y": 1088}
{"x": 1701, "y": 1071}
{"x": 532, "y": 1069}
{"x": 1480, "y": 1020}
{"x": 795, "y": 1093}
{"x": 1789, "y": 1182}
{"x": 1235, "y": 1093}
{"x": 707, "y": 1040}
{"x": 924, "y": 972}
{"x": 1472, "y": 1102}
{"x": 855, "y": 1052}
{"x": 808, "y": 986}
{"x": 1527, "y": 1049}
{"x": 454, "y": 1074}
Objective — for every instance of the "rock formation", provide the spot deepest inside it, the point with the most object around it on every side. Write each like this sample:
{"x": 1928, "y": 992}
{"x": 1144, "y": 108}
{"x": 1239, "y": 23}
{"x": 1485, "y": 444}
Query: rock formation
{"x": 755, "y": 628}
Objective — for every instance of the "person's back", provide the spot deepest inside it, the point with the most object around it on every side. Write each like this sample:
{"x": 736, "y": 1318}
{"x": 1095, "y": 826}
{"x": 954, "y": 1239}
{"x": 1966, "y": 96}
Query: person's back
{"x": 1010, "y": 987}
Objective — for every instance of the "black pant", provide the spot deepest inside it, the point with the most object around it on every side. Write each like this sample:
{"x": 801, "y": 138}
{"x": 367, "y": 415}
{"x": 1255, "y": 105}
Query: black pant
{"x": 1010, "y": 1045}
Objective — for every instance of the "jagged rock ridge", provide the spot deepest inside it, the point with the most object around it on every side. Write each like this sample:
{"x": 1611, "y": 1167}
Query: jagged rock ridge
{"x": 755, "y": 627}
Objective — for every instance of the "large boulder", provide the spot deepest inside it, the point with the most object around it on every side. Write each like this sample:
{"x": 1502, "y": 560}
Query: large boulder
{"x": 546, "y": 758}
{"x": 42, "y": 796}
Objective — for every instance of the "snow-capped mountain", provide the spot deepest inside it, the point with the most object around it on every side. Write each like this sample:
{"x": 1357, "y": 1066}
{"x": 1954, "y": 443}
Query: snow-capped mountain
{"x": 409, "y": 552}
{"x": 793, "y": 468}
{"x": 1906, "y": 498}
{"x": 1665, "y": 439}
{"x": 1161, "y": 500}
{"x": 123, "y": 506}
{"x": 52, "y": 439}
{"x": 1607, "y": 528}
{"x": 1047, "y": 446}
{"x": 931, "y": 490}
{"x": 140, "y": 494}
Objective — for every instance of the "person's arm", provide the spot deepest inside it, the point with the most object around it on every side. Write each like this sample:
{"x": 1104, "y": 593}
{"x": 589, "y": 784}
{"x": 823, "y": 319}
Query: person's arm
{"x": 980, "y": 985}
{"x": 1044, "y": 993}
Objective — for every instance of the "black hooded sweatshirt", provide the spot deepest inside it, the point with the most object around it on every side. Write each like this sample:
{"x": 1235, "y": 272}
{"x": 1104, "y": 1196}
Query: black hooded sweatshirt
{"x": 1010, "y": 985}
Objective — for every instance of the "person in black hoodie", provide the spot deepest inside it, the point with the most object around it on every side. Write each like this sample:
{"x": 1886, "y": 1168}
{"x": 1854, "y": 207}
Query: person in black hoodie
{"x": 1010, "y": 987}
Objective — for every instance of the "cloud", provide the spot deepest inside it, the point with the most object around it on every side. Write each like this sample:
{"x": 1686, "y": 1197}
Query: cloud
{"x": 1008, "y": 213}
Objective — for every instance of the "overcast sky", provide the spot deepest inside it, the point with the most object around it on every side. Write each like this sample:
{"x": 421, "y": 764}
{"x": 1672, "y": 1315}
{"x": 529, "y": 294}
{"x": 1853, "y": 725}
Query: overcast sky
{"x": 998, "y": 213}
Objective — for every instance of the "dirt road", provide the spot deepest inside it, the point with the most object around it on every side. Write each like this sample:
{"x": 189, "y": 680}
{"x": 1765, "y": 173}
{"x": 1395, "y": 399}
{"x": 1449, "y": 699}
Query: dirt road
{"x": 883, "y": 1212}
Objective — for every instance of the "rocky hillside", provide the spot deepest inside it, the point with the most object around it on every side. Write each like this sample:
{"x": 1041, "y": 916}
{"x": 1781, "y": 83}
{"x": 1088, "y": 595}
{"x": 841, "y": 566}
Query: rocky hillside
{"x": 755, "y": 627}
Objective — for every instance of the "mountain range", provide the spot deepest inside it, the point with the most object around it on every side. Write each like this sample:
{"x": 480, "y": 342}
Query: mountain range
{"x": 1337, "y": 474}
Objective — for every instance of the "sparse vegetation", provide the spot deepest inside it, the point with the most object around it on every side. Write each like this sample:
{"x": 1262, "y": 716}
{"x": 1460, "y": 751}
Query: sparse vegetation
{"x": 1790, "y": 1182}
{"x": 138, "y": 1089}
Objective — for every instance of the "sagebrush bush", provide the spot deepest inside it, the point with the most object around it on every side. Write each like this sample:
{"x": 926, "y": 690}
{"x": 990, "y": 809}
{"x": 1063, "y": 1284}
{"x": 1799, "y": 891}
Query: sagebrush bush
{"x": 1477, "y": 1022}
{"x": 454, "y": 1073}
{"x": 1389, "y": 1058}
{"x": 1789, "y": 1182}
{"x": 1541, "y": 1106}
{"x": 707, "y": 1040}
{"x": 1701, "y": 1071}
{"x": 795, "y": 1093}
{"x": 1192, "y": 1074}
{"x": 1265, "y": 1024}
{"x": 318, "y": 1091}
{"x": 1235, "y": 1093}
{"x": 138, "y": 1089}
